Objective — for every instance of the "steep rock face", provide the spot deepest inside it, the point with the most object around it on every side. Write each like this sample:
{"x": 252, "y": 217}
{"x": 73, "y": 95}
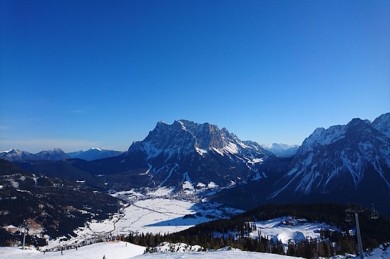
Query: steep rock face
{"x": 186, "y": 137}
{"x": 341, "y": 158}
{"x": 196, "y": 153}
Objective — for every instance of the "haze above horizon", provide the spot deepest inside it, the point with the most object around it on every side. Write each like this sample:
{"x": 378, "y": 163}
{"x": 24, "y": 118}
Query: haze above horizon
{"x": 82, "y": 74}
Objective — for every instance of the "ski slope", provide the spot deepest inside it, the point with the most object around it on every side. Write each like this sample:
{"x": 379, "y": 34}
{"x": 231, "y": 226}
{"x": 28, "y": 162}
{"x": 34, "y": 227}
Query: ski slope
{"x": 111, "y": 250}
{"x": 119, "y": 250}
{"x": 123, "y": 250}
{"x": 234, "y": 254}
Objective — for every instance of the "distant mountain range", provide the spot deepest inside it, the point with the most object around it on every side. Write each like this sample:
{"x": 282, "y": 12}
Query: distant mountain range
{"x": 16, "y": 155}
{"x": 342, "y": 164}
{"x": 94, "y": 154}
{"x": 282, "y": 150}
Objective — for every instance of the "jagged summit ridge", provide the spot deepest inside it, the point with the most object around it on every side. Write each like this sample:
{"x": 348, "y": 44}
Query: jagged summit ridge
{"x": 189, "y": 137}
{"x": 185, "y": 151}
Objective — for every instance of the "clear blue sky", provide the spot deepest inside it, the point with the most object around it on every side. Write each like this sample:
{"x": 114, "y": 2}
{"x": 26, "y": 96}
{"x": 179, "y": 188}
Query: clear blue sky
{"x": 77, "y": 74}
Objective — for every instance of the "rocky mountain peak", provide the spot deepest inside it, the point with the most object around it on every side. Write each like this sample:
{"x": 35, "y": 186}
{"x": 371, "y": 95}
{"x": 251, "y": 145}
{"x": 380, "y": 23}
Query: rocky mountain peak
{"x": 341, "y": 156}
{"x": 382, "y": 124}
{"x": 188, "y": 137}
{"x": 197, "y": 151}
{"x": 322, "y": 137}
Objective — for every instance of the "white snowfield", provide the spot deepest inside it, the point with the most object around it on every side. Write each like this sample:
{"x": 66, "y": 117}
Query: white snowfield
{"x": 111, "y": 250}
{"x": 234, "y": 254}
{"x": 155, "y": 212}
{"x": 157, "y": 215}
{"x": 122, "y": 250}
{"x": 286, "y": 229}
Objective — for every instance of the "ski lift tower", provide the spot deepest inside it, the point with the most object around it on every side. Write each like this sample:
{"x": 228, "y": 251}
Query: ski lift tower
{"x": 349, "y": 218}
{"x": 24, "y": 226}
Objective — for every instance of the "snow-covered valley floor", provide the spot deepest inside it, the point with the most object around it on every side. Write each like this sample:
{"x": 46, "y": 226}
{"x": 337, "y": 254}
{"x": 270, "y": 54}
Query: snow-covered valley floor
{"x": 157, "y": 211}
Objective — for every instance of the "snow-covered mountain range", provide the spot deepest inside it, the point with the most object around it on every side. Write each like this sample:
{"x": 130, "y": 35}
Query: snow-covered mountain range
{"x": 16, "y": 155}
{"x": 344, "y": 163}
{"x": 20, "y": 155}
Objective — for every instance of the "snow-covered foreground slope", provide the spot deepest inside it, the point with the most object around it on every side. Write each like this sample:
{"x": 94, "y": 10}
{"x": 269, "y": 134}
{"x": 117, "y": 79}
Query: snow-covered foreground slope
{"x": 215, "y": 255}
{"x": 111, "y": 250}
{"x": 122, "y": 250}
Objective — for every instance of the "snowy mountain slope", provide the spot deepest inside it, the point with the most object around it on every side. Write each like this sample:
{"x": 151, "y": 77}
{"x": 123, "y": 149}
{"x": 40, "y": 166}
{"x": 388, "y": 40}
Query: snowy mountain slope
{"x": 344, "y": 163}
{"x": 340, "y": 157}
{"x": 188, "y": 152}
